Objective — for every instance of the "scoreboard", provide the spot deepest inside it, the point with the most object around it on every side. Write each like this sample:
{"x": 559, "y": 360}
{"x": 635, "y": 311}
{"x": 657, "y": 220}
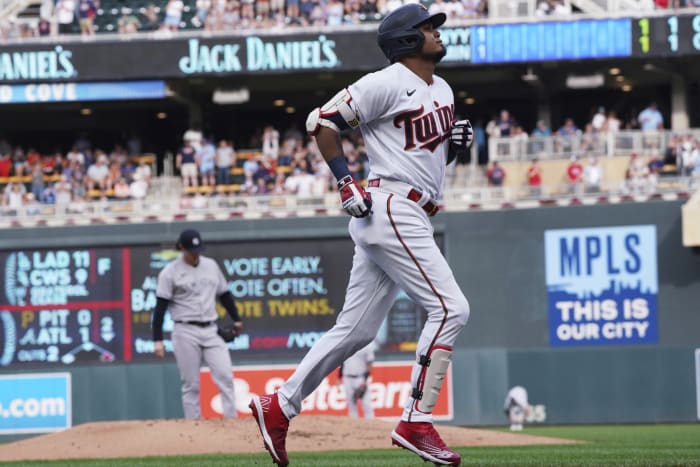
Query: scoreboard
{"x": 658, "y": 36}
{"x": 94, "y": 305}
{"x": 667, "y": 36}
{"x": 62, "y": 306}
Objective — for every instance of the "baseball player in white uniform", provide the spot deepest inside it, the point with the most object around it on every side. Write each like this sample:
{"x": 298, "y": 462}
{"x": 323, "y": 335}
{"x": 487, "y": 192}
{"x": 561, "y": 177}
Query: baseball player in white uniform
{"x": 516, "y": 407}
{"x": 188, "y": 287}
{"x": 406, "y": 115}
{"x": 355, "y": 372}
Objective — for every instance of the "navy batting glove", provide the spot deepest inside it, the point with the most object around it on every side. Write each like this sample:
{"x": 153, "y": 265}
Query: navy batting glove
{"x": 356, "y": 201}
{"x": 461, "y": 134}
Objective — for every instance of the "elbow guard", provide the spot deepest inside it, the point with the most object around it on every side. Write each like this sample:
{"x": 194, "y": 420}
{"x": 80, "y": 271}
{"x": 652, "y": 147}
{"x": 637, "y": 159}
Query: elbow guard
{"x": 335, "y": 114}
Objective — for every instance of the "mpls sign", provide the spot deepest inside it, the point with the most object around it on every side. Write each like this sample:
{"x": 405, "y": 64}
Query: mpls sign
{"x": 258, "y": 55}
{"x": 602, "y": 285}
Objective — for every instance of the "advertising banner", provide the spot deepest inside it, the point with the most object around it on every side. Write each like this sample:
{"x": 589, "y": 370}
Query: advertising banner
{"x": 35, "y": 403}
{"x": 81, "y": 92}
{"x": 602, "y": 285}
{"x": 389, "y": 386}
{"x": 94, "y": 305}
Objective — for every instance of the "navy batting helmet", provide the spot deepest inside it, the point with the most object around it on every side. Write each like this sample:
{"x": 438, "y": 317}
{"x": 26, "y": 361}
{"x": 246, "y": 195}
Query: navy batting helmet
{"x": 398, "y": 32}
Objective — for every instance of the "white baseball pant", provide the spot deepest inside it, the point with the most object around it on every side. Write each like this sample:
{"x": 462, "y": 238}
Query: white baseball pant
{"x": 191, "y": 344}
{"x": 394, "y": 249}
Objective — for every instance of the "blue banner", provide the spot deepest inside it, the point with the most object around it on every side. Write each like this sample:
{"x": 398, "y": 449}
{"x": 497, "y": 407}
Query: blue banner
{"x": 35, "y": 403}
{"x": 80, "y": 92}
{"x": 602, "y": 285}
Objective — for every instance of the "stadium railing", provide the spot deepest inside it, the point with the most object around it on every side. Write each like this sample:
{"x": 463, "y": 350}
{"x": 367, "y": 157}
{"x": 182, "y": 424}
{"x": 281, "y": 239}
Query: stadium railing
{"x": 621, "y": 143}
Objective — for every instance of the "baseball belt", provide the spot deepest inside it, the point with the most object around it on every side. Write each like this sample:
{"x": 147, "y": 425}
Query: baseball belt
{"x": 201, "y": 324}
{"x": 407, "y": 191}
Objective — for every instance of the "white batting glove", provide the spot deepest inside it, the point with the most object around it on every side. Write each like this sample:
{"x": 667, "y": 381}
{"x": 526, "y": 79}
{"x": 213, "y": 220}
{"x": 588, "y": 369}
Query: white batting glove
{"x": 356, "y": 201}
{"x": 461, "y": 134}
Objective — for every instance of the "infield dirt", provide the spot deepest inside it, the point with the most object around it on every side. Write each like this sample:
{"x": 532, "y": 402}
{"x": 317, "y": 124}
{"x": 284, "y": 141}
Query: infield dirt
{"x": 184, "y": 437}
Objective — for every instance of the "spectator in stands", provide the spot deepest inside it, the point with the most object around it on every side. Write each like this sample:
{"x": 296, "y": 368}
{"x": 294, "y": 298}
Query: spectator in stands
{"x": 139, "y": 187}
{"x": 187, "y": 163}
{"x": 5, "y": 165}
{"x": 143, "y": 172}
{"x": 225, "y": 161}
{"x": 87, "y": 10}
{"x": 574, "y": 175}
{"x": 114, "y": 174}
{"x": 230, "y": 19}
{"x": 650, "y": 118}
{"x": 200, "y": 18}
{"x": 31, "y": 205}
{"x": 50, "y": 163}
{"x": 64, "y": 190}
{"x": 206, "y": 159}
{"x": 612, "y": 123}
{"x": 293, "y": 9}
{"x": 173, "y": 15}
{"x": 590, "y": 140}
{"x": 504, "y": 123}
{"x": 672, "y": 152}
{"x": 151, "y": 21}
{"x": 271, "y": 142}
{"x": 76, "y": 156}
{"x": 19, "y": 162}
{"x": 38, "y": 184}
{"x": 518, "y": 139}
{"x": 496, "y": 175}
{"x": 49, "y": 195}
{"x": 300, "y": 182}
{"x": 690, "y": 156}
{"x": 593, "y": 176}
{"x": 43, "y": 27}
{"x": 121, "y": 189}
{"x": 636, "y": 174}
{"x": 539, "y": 135}
{"x": 78, "y": 182}
{"x": 33, "y": 157}
{"x": 14, "y": 196}
{"x": 250, "y": 167}
{"x": 565, "y": 136}
{"x": 654, "y": 168}
{"x": 97, "y": 176}
{"x": 598, "y": 120}
{"x": 534, "y": 178}
{"x": 265, "y": 175}
{"x": 65, "y": 15}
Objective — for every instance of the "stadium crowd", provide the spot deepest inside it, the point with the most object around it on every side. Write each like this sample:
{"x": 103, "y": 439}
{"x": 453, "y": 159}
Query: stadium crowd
{"x": 79, "y": 175}
{"x": 164, "y": 17}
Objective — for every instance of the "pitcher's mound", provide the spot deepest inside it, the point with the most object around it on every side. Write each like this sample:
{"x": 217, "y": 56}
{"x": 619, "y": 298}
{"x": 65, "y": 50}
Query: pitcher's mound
{"x": 185, "y": 437}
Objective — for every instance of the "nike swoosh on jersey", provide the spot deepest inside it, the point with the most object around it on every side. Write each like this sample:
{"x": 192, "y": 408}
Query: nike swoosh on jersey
{"x": 410, "y": 93}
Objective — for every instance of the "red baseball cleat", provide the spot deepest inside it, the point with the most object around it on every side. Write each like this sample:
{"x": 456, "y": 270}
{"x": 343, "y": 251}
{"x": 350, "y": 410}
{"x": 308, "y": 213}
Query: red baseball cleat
{"x": 273, "y": 426}
{"x": 422, "y": 439}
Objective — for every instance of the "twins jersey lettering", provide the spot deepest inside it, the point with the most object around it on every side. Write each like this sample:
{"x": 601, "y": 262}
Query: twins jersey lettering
{"x": 405, "y": 123}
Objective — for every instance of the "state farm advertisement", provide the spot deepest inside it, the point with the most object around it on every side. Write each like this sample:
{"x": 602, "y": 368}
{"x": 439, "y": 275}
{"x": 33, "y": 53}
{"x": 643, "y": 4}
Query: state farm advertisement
{"x": 389, "y": 386}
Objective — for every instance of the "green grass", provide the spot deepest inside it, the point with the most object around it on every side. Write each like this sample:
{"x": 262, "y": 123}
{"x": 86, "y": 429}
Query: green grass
{"x": 628, "y": 445}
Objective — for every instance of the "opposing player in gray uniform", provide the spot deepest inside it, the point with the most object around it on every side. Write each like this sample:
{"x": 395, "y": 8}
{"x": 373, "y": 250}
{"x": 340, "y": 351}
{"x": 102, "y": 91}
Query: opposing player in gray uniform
{"x": 406, "y": 115}
{"x": 188, "y": 287}
{"x": 355, "y": 372}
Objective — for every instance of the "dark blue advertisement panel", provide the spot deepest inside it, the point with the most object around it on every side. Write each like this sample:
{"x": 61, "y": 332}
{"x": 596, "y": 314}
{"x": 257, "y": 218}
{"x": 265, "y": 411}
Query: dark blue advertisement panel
{"x": 602, "y": 285}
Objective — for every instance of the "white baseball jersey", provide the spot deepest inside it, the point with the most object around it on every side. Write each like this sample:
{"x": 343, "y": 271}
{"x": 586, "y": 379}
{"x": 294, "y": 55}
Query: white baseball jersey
{"x": 518, "y": 396}
{"x": 191, "y": 291}
{"x": 405, "y": 123}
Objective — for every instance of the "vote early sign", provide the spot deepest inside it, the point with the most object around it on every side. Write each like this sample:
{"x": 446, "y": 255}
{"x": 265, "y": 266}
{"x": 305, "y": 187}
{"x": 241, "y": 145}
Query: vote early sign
{"x": 602, "y": 285}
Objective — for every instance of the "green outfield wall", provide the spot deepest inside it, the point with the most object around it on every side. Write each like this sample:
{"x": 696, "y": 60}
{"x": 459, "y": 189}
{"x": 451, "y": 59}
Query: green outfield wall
{"x": 594, "y": 309}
